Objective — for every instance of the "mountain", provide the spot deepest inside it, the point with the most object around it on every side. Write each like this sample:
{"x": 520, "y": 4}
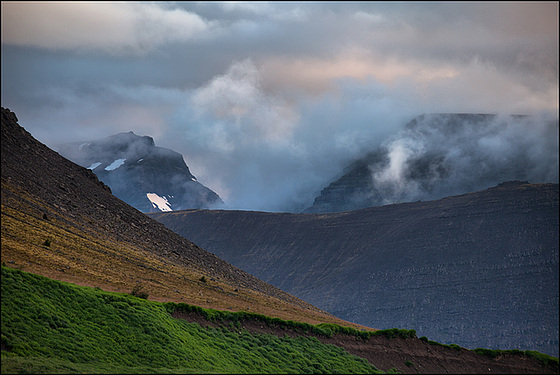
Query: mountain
{"x": 439, "y": 155}
{"x": 74, "y": 256}
{"x": 147, "y": 177}
{"x": 478, "y": 269}
{"x": 59, "y": 220}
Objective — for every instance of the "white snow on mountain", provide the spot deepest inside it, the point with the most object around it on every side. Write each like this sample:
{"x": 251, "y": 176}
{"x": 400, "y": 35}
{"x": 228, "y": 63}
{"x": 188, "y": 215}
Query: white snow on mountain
{"x": 114, "y": 165}
{"x": 158, "y": 202}
{"x": 94, "y": 165}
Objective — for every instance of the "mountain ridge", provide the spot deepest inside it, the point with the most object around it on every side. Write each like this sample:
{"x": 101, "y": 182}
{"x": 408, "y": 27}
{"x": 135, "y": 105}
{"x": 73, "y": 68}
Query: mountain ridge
{"x": 60, "y": 221}
{"x": 47, "y": 197}
{"x": 476, "y": 259}
{"x": 148, "y": 177}
{"x": 443, "y": 154}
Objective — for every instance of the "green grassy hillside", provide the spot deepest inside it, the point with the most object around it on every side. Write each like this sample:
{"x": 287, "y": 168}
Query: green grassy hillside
{"x": 52, "y": 326}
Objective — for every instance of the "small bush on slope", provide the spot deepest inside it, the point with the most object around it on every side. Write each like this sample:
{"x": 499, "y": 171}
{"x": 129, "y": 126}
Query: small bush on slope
{"x": 52, "y": 326}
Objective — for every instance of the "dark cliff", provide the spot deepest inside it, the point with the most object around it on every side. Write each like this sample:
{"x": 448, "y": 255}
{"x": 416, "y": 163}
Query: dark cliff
{"x": 479, "y": 269}
{"x": 439, "y": 155}
{"x": 147, "y": 177}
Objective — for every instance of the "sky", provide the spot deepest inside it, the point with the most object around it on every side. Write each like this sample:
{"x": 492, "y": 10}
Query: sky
{"x": 269, "y": 101}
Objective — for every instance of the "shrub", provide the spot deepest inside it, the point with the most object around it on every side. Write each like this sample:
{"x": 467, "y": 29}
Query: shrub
{"x": 47, "y": 242}
{"x": 138, "y": 291}
{"x": 203, "y": 279}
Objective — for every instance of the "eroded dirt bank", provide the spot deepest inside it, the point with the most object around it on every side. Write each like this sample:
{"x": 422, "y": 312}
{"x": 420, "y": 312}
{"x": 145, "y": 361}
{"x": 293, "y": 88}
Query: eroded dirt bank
{"x": 386, "y": 353}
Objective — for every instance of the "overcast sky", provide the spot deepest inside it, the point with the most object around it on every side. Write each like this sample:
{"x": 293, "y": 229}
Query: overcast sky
{"x": 268, "y": 101}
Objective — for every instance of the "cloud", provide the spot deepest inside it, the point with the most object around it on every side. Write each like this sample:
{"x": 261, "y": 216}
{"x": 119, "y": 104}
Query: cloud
{"x": 440, "y": 155}
{"x": 270, "y": 101}
{"x": 115, "y": 28}
{"x": 235, "y": 111}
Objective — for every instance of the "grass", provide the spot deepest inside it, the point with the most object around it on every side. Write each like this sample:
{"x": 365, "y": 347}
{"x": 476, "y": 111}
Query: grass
{"x": 545, "y": 359}
{"x": 58, "y": 327}
{"x": 85, "y": 252}
{"x": 324, "y": 329}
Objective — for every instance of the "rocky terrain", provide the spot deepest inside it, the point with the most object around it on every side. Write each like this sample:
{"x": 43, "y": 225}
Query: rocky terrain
{"x": 147, "y": 177}
{"x": 439, "y": 155}
{"x": 96, "y": 239}
{"x": 60, "y": 221}
{"x": 478, "y": 270}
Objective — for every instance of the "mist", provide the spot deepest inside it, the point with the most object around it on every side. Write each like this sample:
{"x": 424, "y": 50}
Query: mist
{"x": 438, "y": 155}
{"x": 268, "y": 103}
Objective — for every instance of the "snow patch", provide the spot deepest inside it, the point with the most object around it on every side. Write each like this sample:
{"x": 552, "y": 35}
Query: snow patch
{"x": 83, "y": 145}
{"x": 192, "y": 178}
{"x": 140, "y": 160}
{"x": 158, "y": 202}
{"x": 94, "y": 165}
{"x": 114, "y": 165}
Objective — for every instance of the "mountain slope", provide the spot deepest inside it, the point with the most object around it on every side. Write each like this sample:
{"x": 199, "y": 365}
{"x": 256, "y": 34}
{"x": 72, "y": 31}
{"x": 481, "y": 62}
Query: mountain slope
{"x": 147, "y": 177}
{"x": 50, "y": 327}
{"x": 439, "y": 155}
{"x": 479, "y": 269}
{"x": 60, "y": 221}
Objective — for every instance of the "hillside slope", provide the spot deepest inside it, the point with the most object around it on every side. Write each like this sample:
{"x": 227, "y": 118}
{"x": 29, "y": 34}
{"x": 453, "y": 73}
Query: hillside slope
{"x": 60, "y": 221}
{"x": 50, "y": 326}
{"x": 478, "y": 270}
{"x": 147, "y": 177}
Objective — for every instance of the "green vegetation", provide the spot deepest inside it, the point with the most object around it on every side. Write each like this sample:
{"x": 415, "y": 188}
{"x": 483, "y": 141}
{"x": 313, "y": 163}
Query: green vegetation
{"x": 57, "y": 327}
{"x": 138, "y": 291}
{"x": 324, "y": 329}
{"x": 545, "y": 359}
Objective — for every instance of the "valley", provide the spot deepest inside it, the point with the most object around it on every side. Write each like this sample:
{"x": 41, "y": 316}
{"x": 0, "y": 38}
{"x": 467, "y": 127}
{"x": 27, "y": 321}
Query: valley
{"x": 73, "y": 255}
{"x": 447, "y": 268}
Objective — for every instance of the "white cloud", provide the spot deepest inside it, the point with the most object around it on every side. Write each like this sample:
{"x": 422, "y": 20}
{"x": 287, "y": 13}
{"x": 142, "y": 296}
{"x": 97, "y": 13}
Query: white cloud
{"x": 235, "y": 109}
{"x": 117, "y": 28}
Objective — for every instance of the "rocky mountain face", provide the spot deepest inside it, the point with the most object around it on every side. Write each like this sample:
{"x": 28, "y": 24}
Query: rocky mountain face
{"x": 147, "y": 177}
{"x": 96, "y": 239}
{"x": 439, "y": 155}
{"x": 60, "y": 221}
{"x": 478, "y": 269}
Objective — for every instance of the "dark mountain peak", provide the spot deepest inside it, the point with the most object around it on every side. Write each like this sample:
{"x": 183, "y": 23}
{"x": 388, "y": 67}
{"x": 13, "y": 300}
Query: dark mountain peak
{"x": 9, "y": 116}
{"x": 38, "y": 183}
{"x": 122, "y": 145}
{"x": 148, "y": 177}
{"x": 128, "y": 139}
{"x": 442, "y": 154}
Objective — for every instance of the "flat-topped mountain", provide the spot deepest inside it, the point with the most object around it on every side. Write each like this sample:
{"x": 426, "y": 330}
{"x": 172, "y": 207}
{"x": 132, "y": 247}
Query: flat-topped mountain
{"x": 147, "y": 177}
{"x": 439, "y": 155}
{"x": 479, "y": 269}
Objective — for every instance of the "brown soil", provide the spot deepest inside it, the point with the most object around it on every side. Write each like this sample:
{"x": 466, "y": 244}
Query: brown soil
{"x": 387, "y": 353}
